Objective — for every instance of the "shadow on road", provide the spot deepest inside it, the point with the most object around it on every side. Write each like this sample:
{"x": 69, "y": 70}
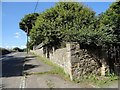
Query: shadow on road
{"x": 13, "y": 66}
{"x": 30, "y": 66}
{"x": 7, "y": 56}
{"x": 30, "y": 57}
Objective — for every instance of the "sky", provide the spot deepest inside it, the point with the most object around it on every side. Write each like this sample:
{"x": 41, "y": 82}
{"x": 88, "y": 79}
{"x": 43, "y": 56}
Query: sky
{"x": 13, "y": 12}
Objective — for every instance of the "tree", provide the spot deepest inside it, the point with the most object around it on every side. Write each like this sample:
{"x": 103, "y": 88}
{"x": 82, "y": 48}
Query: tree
{"x": 62, "y": 23}
{"x": 18, "y": 49}
{"x": 27, "y": 22}
{"x": 111, "y": 19}
{"x": 72, "y": 22}
{"x": 4, "y": 51}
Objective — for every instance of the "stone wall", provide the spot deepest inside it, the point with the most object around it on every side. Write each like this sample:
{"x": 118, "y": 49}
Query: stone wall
{"x": 38, "y": 52}
{"x": 75, "y": 60}
{"x": 60, "y": 57}
{"x": 82, "y": 62}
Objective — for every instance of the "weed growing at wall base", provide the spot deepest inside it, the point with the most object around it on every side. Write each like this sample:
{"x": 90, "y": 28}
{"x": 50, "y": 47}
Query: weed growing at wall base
{"x": 97, "y": 80}
{"x": 89, "y": 79}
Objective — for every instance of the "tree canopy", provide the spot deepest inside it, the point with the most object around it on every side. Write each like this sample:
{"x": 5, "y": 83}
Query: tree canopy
{"x": 73, "y": 22}
{"x": 62, "y": 23}
{"x": 111, "y": 19}
{"x": 28, "y": 21}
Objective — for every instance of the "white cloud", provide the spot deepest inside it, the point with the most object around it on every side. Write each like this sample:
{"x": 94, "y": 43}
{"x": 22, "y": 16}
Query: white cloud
{"x": 23, "y": 32}
{"x": 17, "y": 34}
{"x": 7, "y": 46}
{"x": 13, "y": 46}
{"x": 22, "y": 46}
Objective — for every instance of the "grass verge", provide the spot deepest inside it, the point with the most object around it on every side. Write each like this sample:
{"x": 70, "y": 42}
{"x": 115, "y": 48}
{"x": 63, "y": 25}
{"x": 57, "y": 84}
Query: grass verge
{"x": 99, "y": 81}
{"x": 56, "y": 69}
{"x": 87, "y": 79}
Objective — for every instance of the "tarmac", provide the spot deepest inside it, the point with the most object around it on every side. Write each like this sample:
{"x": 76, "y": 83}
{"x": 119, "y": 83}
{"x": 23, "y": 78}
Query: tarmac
{"x": 34, "y": 65}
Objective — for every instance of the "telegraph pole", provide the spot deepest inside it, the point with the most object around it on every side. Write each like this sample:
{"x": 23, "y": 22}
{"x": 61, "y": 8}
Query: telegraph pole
{"x": 27, "y": 39}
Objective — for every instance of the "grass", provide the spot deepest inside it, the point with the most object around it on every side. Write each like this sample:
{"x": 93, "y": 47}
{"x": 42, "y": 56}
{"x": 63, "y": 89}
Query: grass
{"x": 92, "y": 79}
{"x": 26, "y": 54}
{"x": 47, "y": 62}
{"x": 97, "y": 80}
{"x": 56, "y": 69}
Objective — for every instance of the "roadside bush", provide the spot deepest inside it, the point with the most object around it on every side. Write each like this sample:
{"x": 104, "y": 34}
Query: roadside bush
{"x": 4, "y": 51}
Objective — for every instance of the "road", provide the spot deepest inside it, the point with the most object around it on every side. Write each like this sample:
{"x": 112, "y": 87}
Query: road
{"x": 12, "y": 70}
{"x": 12, "y": 66}
{"x": 34, "y": 64}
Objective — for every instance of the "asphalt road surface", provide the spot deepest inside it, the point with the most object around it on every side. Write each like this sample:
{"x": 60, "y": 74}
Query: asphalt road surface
{"x": 12, "y": 70}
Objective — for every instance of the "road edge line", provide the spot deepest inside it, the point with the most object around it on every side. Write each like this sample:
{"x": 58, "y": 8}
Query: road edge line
{"x": 22, "y": 82}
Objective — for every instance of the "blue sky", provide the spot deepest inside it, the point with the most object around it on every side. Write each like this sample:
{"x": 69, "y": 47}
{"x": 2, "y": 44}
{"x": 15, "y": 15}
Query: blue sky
{"x": 13, "y": 12}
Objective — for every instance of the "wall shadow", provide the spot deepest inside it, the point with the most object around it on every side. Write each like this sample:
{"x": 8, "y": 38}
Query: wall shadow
{"x": 29, "y": 66}
{"x": 13, "y": 66}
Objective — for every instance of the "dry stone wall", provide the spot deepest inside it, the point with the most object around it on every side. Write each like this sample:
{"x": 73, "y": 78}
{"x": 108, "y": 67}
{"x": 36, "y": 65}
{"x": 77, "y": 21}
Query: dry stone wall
{"x": 75, "y": 61}
{"x": 82, "y": 62}
{"x": 61, "y": 58}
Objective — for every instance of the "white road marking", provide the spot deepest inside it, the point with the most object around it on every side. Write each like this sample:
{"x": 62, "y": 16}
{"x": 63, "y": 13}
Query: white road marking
{"x": 22, "y": 82}
{"x": 22, "y": 79}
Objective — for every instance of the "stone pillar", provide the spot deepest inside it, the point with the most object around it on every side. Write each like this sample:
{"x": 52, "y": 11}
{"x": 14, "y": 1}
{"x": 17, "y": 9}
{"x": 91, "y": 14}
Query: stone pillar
{"x": 46, "y": 52}
{"x": 42, "y": 52}
{"x": 34, "y": 47}
{"x": 53, "y": 49}
{"x": 103, "y": 70}
{"x": 73, "y": 59}
{"x": 68, "y": 69}
{"x": 75, "y": 47}
{"x": 51, "y": 53}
